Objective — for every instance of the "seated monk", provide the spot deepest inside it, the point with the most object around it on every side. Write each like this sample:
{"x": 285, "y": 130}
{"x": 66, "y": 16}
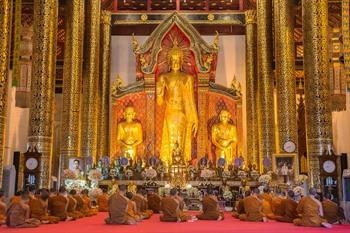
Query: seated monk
{"x": 141, "y": 204}
{"x": 171, "y": 209}
{"x": 38, "y": 208}
{"x": 18, "y": 214}
{"x": 118, "y": 208}
{"x": 267, "y": 203}
{"x": 211, "y": 209}
{"x": 253, "y": 208}
{"x": 276, "y": 204}
{"x": 132, "y": 210}
{"x": 16, "y": 198}
{"x": 310, "y": 211}
{"x": 154, "y": 202}
{"x": 331, "y": 211}
{"x": 180, "y": 199}
{"x": 144, "y": 206}
{"x": 288, "y": 209}
{"x": 239, "y": 208}
{"x": 102, "y": 201}
{"x": 2, "y": 208}
{"x": 80, "y": 207}
{"x": 72, "y": 206}
{"x": 58, "y": 205}
{"x": 87, "y": 203}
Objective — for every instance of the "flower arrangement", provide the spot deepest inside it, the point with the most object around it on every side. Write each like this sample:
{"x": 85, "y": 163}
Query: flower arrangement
{"x": 163, "y": 191}
{"x": 298, "y": 191}
{"x": 78, "y": 185}
{"x": 261, "y": 188}
{"x": 193, "y": 192}
{"x": 150, "y": 173}
{"x": 301, "y": 179}
{"x": 95, "y": 192}
{"x": 69, "y": 174}
{"x": 207, "y": 173}
{"x": 113, "y": 190}
{"x": 227, "y": 195}
{"x": 265, "y": 179}
{"x": 95, "y": 175}
{"x": 129, "y": 173}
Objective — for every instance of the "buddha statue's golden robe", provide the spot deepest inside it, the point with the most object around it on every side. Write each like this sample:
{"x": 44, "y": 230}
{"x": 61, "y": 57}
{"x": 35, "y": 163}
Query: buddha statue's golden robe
{"x": 175, "y": 90}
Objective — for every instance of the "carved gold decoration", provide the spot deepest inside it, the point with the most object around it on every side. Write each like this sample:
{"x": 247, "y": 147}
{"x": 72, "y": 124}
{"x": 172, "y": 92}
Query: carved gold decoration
{"x": 144, "y": 17}
{"x": 235, "y": 85}
{"x": 16, "y": 42}
{"x": 5, "y": 28}
{"x": 72, "y": 81}
{"x": 215, "y": 44}
{"x": 285, "y": 72}
{"x": 103, "y": 122}
{"x": 346, "y": 39}
{"x": 135, "y": 44}
{"x": 265, "y": 77}
{"x": 211, "y": 17}
{"x": 43, "y": 84}
{"x": 252, "y": 89}
{"x": 317, "y": 91}
{"x": 90, "y": 83}
{"x": 208, "y": 61}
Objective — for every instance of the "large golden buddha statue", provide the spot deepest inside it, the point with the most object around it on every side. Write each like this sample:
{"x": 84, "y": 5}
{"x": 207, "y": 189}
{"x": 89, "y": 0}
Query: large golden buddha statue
{"x": 129, "y": 133}
{"x": 175, "y": 90}
{"x": 224, "y": 137}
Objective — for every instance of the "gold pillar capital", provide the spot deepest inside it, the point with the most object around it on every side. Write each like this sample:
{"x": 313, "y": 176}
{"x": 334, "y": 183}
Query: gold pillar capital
{"x": 250, "y": 16}
{"x": 106, "y": 17}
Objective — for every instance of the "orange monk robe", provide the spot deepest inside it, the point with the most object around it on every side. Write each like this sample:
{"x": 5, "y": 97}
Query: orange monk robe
{"x": 141, "y": 207}
{"x": 276, "y": 206}
{"x": 18, "y": 216}
{"x": 288, "y": 211}
{"x": 38, "y": 210}
{"x": 253, "y": 210}
{"x": 2, "y": 213}
{"x": 102, "y": 202}
{"x": 332, "y": 212}
{"x": 309, "y": 212}
{"x": 154, "y": 202}
{"x": 58, "y": 207}
{"x": 239, "y": 209}
{"x": 81, "y": 207}
{"x": 118, "y": 210}
{"x": 210, "y": 209}
{"x": 71, "y": 209}
{"x": 171, "y": 211}
{"x": 144, "y": 207}
{"x": 87, "y": 205}
{"x": 15, "y": 199}
{"x": 132, "y": 211}
{"x": 267, "y": 205}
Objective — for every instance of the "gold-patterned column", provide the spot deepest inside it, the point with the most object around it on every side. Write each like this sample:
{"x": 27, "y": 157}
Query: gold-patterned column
{"x": 43, "y": 84}
{"x": 5, "y": 29}
{"x": 317, "y": 92}
{"x": 285, "y": 72}
{"x": 90, "y": 76}
{"x": 252, "y": 88}
{"x": 266, "y": 82}
{"x": 72, "y": 80}
{"x": 103, "y": 122}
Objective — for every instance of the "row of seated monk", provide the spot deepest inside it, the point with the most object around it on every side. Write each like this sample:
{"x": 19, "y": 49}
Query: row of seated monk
{"x": 170, "y": 207}
{"x": 308, "y": 211}
{"x": 32, "y": 208}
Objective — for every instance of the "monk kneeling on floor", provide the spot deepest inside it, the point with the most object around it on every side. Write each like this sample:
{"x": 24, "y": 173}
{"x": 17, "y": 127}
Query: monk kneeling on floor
{"x": 2, "y": 208}
{"x": 58, "y": 205}
{"x": 310, "y": 211}
{"x": 72, "y": 206}
{"x": 18, "y": 214}
{"x": 239, "y": 208}
{"x": 154, "y": 202}
{"x": 171, "y": 209}
{"x": 141, "y": 204}
{"x": 253, "y": 208}
{"x": 102, "y": 201}
{"x": 331, "y": 211}
{"x": 118, "y": 208}
{"x": 288, "y": 209}
{"x": 267, "y": 203}
{"x": 87, "y": 203}
{"x": 38, "y": 208}
{"x": 211, "y": 210}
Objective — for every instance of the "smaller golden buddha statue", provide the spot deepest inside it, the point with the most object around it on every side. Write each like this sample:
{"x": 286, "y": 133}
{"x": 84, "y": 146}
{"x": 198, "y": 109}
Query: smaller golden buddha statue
{"x": 224, "y": 137}
{"x": 129, "y": 134}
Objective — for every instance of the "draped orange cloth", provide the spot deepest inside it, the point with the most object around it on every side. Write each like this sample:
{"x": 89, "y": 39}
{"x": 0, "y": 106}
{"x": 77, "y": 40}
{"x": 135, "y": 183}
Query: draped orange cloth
{"x": 141, "y": 206}
{"x": 102, "y": 202}
{"x": 87, "y": 206}
{"x": 132, "y": 211}
{"x": 15, "y": 199}
{"x": 239, "y": 209}
{"x": 2, "y": 213}
{"x": 210, "y": 209}
{"x": 309, "y": 211}
{"x": 154, "y": 202}
{"x": 267, "y": 205}
{"x": 81, "y": 207}
{"x": 71, "y": 209}
{"x": 38, "y": 210}
{"x": 277, "y": 206}
{"x": 288, "y": 211}
{"x": 58, "y": 206}
{"x": 118, "y": 210}
{"x": 253, "y": 210}
{"x": 171, "y": 211}
{"x": 332, "y": 212}
{"x": 18, "y": 216}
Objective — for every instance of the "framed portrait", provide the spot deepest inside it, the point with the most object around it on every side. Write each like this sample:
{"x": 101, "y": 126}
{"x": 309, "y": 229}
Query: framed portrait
{"x": 76, "y": 163}
{"x": 285, "y": 166}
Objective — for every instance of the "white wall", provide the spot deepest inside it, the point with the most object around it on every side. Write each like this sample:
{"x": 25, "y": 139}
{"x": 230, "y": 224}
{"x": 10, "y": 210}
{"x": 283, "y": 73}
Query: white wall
{"x": 231, "y": 61}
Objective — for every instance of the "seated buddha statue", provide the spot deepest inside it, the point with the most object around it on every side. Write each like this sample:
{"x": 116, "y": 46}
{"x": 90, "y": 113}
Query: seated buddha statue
{"x": 224, "y": 137}
{"x": 129, "y": 134}
{"x": 175, "y": 90}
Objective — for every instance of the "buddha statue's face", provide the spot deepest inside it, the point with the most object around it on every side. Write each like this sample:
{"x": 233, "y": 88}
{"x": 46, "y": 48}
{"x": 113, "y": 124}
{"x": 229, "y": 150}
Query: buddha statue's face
{"x": 224, "y": 116}
{"x": 175, "y": 62}
{"x": 129, "y": 114}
